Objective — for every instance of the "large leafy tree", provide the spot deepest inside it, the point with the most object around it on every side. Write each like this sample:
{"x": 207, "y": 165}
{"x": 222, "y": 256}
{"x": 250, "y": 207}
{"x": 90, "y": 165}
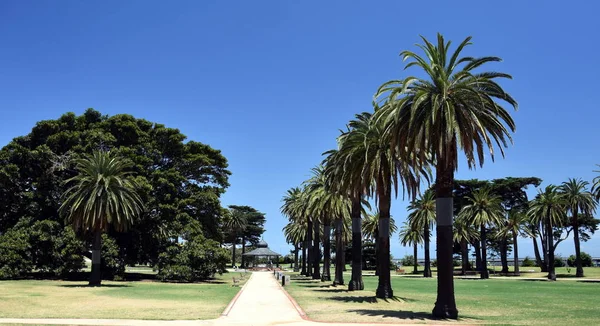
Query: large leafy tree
{"x": 100, "y": 196}
{"x": 578, "y": 201}
{"x": 548, "y": 211}
{"x": 180, "y": 182}
{"x": 422, "y": 216}
{"x": 485, "y": 210}
{"x": 452, "y": 108}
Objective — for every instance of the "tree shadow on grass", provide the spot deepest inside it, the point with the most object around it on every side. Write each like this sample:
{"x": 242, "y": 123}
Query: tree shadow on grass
{"x": 370, "y": 299}
{"x": 334, "y": 290}
{"x": 101, "y": 286}
{"x": 393, "y": 314}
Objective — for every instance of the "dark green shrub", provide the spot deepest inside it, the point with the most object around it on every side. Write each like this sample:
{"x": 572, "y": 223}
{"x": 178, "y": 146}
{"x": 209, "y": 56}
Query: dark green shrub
{"x": 434, "y": 263}
{"x": 45, "y": 247}
{"x": 55, "y": 249}
{"x": 408, "y": 260}
{"x": 528, "y": 262}
{"x": 586, "y": 260}
{"x": 113, "y": 265}
{"x": 195, "y": 260}
{"x": 559, "y": 262}
{"x": 15, "y": 260}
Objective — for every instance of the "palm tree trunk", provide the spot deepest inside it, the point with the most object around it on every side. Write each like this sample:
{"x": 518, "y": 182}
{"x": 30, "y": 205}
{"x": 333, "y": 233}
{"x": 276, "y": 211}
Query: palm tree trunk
{"x": 477, "y": 251}
{"x": 549, "y": 245}
{"x": 578, "y": 263}
{"x": 477, "y": 247}
{"x": 244, "y": 251}
{"x": 445, "y": 305}
{"x": 415, "y": 262}
{"x": 309, "y": 248}
{"x": 316, "y": 274}
{"x": 516, "y": 255}
{"x": 233, "y": 253}
{"x": 296, "y": 252}
{"x": 484, "y": 269}
{"x": 96, "y": 274}
{"x": 304, "y": 251}
{"x": 343, "y": 254}
{"x": 356, "y": 281}
{"x": 544, "y": 242}
{"x": 339, "y": 253}
{"x": 464, "y": 251}
{"x": 427, "y": 271}
{"x": 538, "y": 258}
{"x": 376, "y": 236}
{"x": 326, "y": 276}
{"x": 504, "y": 254}
{"x": 384, "y": 287}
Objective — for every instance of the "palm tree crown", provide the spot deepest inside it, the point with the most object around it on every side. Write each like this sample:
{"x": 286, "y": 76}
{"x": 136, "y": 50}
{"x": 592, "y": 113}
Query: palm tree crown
{"x": 453, "y": 107}
{"x": 101, "y": 194}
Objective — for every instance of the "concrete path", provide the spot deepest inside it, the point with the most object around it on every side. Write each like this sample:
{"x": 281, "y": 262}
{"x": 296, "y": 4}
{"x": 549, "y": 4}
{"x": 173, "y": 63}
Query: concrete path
{"x": 261, "y": 302}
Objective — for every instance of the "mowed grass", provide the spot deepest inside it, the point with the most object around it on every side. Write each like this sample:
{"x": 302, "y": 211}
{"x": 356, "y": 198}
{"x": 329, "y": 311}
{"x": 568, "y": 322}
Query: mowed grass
{"x": 494, "y": 301}
{"x": 116, "y": 300}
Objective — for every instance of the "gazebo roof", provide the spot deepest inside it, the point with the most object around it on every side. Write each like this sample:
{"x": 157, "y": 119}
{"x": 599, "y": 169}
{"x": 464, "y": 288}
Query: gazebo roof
{"x": 262, "y": 252}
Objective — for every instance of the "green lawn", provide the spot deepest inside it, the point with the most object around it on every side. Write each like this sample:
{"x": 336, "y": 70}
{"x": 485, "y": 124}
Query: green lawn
{"x": 494, "y": 301}
{"x": 127, "y": 300}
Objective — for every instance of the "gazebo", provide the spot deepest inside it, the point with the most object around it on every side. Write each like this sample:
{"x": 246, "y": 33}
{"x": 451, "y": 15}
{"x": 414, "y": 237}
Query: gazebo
{"x": 262, "y": 251}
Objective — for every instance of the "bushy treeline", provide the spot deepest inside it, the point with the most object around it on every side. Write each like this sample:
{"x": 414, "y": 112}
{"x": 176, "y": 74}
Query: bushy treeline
{"x": 180, "y": 184}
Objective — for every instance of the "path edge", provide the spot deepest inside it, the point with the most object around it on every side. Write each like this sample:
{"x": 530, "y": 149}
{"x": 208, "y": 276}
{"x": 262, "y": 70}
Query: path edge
{"x": 294, "y": 303}
{"x": 234, "y": 300}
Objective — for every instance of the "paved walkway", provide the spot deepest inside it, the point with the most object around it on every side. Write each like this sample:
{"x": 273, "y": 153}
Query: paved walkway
{"x": 260, "y": 302}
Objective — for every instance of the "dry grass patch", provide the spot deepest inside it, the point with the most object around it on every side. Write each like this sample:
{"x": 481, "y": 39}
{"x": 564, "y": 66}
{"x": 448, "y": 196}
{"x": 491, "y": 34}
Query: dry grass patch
{"x": 121, "y": 300}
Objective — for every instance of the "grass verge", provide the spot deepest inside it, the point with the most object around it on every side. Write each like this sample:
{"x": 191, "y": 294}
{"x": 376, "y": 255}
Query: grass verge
{"x": 494, "y": 301}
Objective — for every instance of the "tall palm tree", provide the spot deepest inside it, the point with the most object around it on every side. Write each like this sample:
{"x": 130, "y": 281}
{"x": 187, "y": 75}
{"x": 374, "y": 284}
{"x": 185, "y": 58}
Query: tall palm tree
{"x": 452, "y": 109}
{"x": 515, "y": 225}
{"x": 465, "y": 233}
{"x": 100, "y": 195}
{"x": 411, "y": 235}
{"x": 343, "y": 171}
{"x": 422, "y": 215}
{"x": 548, "y": 210}
{"x": 485, "y": 209}
{"x": 235, "y": 223}
{"x": 578, "y": 200}
{"x": 383, "y": 173}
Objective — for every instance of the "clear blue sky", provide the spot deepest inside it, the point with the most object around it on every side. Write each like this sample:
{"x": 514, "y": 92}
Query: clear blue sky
{"x": 271, "y": 82}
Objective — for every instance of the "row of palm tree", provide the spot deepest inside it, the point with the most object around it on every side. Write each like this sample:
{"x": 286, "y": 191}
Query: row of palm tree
{"x": 552, "y": 207}
{"x": 417, "y": 124}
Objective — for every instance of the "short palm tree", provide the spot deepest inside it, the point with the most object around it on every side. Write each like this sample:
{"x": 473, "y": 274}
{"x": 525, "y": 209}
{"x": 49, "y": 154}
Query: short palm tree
{"x": 515, "y": 225}
{"x": 548, "y": 210}
{"x": 452, "y": 109}
{"x": 370, "y": 231}
{"x": 101, "y": 195}
{"x": 485, "y": 209}
{"x": 295, "y": 208}
{"x": 464, "y": 233}
{"x": 295, "y": 233}
{"x": 410, "y": 235}
{"x": 578, "y": 200}
{"x": 235, "y": 223}
{"x": 422, "y": 216}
